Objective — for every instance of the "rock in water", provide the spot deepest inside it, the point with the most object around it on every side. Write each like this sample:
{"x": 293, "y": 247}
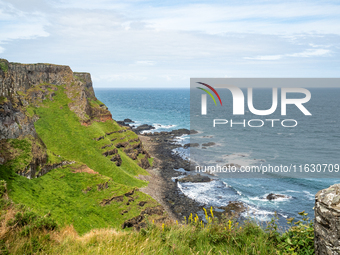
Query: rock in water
{"x": 273, "y": 196}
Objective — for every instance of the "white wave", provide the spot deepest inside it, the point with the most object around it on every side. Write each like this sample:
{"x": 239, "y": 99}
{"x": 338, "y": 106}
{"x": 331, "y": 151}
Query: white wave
{"x": 156, "y": 128}
{"x": 258, "y": 214}
{"x": 182, "y": 152}
{"x": 226, "y": 184}
{"x": 214, "y": 193}
{"x": 264, "y": 199}
{"x": 182, "y": 170}
{"x": 309, "y": 195}
{"x": 160, "y": 126}
{"x": 181, "y": 140}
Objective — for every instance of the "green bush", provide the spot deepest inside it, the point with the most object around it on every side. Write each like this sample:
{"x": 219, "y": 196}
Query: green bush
{"x": 30, "y": 221}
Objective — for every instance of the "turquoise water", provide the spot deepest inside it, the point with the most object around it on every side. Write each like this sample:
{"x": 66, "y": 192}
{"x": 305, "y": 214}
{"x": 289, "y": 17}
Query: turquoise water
{"x": 314, "y": 140}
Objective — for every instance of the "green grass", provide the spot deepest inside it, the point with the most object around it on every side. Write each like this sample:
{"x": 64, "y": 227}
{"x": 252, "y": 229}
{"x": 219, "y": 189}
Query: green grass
{"x": 60, "y": 191}
{"x": 63, "y": 134}
{"x": 3, "y": 65}
{"x": 3, "y": 100}
{"x": 40, "y": 235}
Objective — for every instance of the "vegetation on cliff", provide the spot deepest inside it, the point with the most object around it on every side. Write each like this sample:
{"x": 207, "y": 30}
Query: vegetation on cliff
{"x": 24, "y": 232}
{"x": 85, "y": 162}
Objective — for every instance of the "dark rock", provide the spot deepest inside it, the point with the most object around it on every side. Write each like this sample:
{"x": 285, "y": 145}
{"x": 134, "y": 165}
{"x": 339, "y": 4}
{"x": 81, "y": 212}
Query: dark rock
{"x": 234, "y": 209}
{"x": 142, "y": 203}
{"x": 128, "y": 121}
{"x": 105, "y": 146}
{"x": 191, "y": 145}
{"x": 122, "y": 145}
{"x": 109, "y": 200}
{"x": 195, "y": 178}
{"x": 102, "y": 186}
{"x": 142, "y": 128}
{"x": 180, "y": 132}
{"x": 133, "y": 222}
{"x": 116, "y": 158}
{"x": 273, "y": 196}
{"x": 208, "y": 144}
{"x": 110, "y": 152}
{"x": 144, "y": 163}
{"x": 123, "y": 212}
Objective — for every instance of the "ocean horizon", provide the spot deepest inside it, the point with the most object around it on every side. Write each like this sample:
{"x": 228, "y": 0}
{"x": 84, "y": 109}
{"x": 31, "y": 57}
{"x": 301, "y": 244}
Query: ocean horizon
{"x": 169, "y": 109}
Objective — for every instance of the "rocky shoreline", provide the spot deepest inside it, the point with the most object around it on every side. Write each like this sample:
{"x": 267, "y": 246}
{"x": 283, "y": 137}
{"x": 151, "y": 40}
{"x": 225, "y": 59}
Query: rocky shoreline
{"x": 163, "y": 178}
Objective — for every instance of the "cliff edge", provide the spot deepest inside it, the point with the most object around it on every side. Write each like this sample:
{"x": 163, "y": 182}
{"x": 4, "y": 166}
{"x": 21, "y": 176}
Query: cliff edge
{"x": 23, "y": 86}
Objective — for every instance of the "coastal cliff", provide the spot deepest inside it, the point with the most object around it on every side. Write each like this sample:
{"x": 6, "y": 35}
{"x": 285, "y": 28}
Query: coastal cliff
{"x": 24, "y": 86}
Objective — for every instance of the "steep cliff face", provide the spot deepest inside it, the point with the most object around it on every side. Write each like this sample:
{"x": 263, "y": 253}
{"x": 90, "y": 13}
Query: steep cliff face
{"x": 26, "y": 85}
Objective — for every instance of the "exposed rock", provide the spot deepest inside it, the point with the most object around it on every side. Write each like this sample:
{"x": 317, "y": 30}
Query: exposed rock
{"x": 30, "y": 84}
{"x": 144, "y": 163}
{"x": 134, "y": 222}
{"x": 122, "y": 123}
{"x": 137, "y": 222}
{"x": 208, "y": 144}
{"x": 195, "y": 178}
{"x": 191, "y": 145}
{"x": 128, "y": 121}
{"x": 105, "y": 146}
{"x": 110, "y": 152}
{"x": 112, "y": 199}
{"x": 122, "y": 145}
{"x": 117, "y": 159}
{"x": 327, "y": 218}
{"x": 273, "y": 196}
{"x": 180, "y": 132}
{"x": 102, "y": 186}
{"x": 142, "y": 203}
{"x": 234, "y": 209}
{"x": 142, "y": 128}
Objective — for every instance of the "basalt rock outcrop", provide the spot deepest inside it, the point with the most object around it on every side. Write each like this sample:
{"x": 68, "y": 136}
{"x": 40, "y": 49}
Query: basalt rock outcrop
{"x": 327, "y": 221}
{"x": 22, "y": 85}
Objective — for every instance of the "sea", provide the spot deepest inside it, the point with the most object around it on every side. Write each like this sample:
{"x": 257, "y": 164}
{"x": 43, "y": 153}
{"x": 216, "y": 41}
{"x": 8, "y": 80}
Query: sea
{"x": 313, "y": 141}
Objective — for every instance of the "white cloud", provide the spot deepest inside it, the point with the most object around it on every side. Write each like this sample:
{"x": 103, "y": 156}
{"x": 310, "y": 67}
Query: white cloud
{"x": 16, "y": 24}
{"x": 145, "y": 63}
{"x": 310, "y": 53}
{"x": 140, "y": 42}
{"x": 268, "y": 57}
{"x": 305, "y": 54}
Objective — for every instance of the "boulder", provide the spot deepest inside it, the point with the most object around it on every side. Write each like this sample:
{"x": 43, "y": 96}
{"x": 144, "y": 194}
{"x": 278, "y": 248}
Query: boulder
{"x": 195, "y": 178}
{"x": 273, "y": 196}
{"x": 326, "y": 223}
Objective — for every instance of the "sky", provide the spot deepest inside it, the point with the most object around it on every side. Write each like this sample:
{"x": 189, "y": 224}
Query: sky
{"x": 136, "y": 43}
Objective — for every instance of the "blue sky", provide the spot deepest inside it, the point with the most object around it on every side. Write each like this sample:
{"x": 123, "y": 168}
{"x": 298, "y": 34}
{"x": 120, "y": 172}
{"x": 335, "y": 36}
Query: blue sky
{"x": 163, "y": 43}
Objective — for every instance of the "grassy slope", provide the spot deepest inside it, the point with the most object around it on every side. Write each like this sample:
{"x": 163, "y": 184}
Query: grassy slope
{"x": 36, "y": 235}
{"x": 60, "y": 191}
